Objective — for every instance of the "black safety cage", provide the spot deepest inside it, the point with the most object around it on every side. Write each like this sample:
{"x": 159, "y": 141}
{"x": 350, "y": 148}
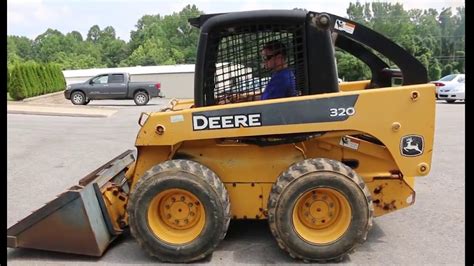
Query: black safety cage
{"x": 229, "y": 64}
{"x": 240, "y": 73}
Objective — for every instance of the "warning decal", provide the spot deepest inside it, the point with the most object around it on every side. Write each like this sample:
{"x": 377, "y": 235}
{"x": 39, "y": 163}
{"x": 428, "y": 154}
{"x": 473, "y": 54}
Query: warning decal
{"x": 344, "y": 26}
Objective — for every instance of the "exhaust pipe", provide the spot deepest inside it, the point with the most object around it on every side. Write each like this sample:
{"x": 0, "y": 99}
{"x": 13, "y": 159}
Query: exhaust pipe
{"x": 79, "y": 220}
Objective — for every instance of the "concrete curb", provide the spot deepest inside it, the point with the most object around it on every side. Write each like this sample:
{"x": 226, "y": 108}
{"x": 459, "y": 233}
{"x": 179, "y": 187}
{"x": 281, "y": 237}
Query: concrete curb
{"x": 55, "y": 114}
{"x": 58, "y": 111}
{"x": 42, "y": 96}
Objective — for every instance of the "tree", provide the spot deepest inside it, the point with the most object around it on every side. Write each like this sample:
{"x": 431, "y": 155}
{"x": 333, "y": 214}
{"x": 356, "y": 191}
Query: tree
{"x": 434, "y": 70}
{"x": 350, "y": 68}
{"x": 172, "y": 32}
{"x": 93, "y": 34}
{"x": 48, "y": 44}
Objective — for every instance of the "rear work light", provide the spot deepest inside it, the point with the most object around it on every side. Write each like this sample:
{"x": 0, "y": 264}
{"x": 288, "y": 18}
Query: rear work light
{"x": 158, "y": 85}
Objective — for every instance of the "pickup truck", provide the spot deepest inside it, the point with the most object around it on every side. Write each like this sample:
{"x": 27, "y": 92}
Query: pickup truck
{"x": 112, "y": 86}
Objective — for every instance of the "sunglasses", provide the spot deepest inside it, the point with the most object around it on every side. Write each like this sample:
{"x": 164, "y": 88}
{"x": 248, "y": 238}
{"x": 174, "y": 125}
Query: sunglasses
{"x": 268, "y": 57}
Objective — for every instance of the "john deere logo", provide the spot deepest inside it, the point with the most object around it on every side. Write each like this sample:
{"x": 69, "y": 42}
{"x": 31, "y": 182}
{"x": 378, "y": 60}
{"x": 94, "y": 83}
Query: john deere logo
{"x": 412, "y": 145}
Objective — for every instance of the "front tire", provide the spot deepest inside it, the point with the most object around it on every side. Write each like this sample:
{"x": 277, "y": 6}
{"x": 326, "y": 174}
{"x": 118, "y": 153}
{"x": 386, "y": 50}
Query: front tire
{"x": 141, "y": 98}
{"x": 319, "y": 209}
{"x": 450, "y": 101}
{"x": 179, "y": 211}
{"x": 78, "y": 98}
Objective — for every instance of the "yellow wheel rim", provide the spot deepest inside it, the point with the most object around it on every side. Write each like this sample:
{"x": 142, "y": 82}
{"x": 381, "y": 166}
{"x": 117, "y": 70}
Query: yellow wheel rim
{"x": 176, "y": 216}
{"x": 321, "y": 216}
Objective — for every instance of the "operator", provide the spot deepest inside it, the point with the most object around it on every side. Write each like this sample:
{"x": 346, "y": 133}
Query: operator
{"x": 282, "y": 82}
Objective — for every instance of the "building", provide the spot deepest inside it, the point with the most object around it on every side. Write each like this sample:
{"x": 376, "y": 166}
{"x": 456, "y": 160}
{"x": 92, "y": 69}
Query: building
{"x": 177, "y": 81}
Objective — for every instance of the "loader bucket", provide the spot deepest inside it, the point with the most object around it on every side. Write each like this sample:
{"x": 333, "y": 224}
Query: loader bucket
{"x": 77, "y": 220}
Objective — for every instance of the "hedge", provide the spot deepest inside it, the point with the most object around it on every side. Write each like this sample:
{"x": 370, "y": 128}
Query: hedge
{"x": 33, "y": 79}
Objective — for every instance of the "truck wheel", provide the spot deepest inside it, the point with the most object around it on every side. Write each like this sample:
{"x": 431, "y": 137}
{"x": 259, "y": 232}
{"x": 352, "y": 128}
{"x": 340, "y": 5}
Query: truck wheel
{"x": 179, "y": 211}
{"x": 78, "y": 98}
{"x": 141, "y": 98}
{"x": 319, "y": 209}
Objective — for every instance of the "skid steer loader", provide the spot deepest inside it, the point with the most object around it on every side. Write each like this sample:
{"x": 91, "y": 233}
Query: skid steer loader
{"x": 319, "y": 166}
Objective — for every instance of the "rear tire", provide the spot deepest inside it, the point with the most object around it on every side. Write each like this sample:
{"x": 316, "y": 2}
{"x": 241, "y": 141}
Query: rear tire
{"x": 319, "y": 209}
{"x": 179, "y": 211}
{"x": 78, "y": 98}
{"x": 141, "y": 98}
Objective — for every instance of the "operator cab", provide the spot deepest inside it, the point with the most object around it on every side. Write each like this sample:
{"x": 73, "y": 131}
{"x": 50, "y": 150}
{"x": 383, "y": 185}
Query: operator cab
{"x": 229, "y": 66}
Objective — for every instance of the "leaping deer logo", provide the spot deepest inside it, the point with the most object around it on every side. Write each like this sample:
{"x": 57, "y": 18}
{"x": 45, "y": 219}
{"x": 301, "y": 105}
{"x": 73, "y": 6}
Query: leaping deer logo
{"x": 410, "y": 147}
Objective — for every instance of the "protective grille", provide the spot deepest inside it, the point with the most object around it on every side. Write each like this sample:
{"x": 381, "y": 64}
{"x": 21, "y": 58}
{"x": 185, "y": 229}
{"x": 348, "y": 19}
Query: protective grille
{"x": 240, "y": 74}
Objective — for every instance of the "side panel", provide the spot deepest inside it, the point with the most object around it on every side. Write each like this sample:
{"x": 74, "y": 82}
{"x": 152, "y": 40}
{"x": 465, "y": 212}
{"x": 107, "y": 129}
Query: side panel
{"x": 400, "y": 119}
{"x": 248, "y": 171}
{"x": 390, "y": 115}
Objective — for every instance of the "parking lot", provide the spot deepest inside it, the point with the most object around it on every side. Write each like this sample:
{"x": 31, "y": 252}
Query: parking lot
{"x": 48, "y": 154}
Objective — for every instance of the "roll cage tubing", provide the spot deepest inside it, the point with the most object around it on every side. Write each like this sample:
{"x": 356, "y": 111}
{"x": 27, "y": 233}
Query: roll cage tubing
{"x": 358, "y": 43}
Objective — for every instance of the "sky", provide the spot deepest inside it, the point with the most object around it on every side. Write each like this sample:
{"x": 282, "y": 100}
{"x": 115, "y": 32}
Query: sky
{"x": 31, "y": 18}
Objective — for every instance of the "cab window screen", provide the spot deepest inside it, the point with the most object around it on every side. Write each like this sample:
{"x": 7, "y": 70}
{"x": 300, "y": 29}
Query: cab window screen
{"x": 239, "y": 70}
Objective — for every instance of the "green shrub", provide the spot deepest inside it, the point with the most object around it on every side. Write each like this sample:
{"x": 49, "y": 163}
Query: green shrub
{"x": 32, "y": 79}
{"x": 17, "y": 85}
{"x": 8, "y": 79}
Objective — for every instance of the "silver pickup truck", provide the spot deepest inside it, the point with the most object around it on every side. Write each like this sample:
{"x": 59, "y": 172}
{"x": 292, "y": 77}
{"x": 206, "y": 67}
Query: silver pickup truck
{"x": 114, "y": 86}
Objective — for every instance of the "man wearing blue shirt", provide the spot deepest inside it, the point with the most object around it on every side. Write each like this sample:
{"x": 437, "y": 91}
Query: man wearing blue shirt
{"x": 282, "y": 83}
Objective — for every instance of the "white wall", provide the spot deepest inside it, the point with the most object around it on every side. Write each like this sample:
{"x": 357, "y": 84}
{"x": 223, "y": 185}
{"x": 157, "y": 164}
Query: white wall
{"x": 173, "y": 85}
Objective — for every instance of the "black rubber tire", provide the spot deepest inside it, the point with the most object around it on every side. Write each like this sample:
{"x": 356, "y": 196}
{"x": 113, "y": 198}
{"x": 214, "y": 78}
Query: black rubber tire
{"x": 192, "y": 177}
{"x": 78, "y": 98}
{"x": 141, "y": 98}
{"x": 303, "y": 177}
{"x": 87, "y": 102}
{"x": 450, "y": 101}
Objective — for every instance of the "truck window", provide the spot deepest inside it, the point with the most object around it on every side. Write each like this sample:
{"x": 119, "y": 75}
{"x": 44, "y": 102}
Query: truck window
{"x": 116, "y": 78}
{"x": 101, "y": 79}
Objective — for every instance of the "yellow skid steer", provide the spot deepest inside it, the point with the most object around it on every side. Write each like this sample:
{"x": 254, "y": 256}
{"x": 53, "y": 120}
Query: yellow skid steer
{"x": 318, "y": 166}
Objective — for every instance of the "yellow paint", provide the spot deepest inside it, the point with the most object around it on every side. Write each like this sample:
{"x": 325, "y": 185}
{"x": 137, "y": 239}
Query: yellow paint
{"x": 389, "y": 195}
{"x": 353, "y": 85}
{"x": 321, "y": 216}
{"x": 234, "y": 161}
{"x": 115, "y": 205}
{"x": 176, "y": 216}
{"x": 247, "y": 199}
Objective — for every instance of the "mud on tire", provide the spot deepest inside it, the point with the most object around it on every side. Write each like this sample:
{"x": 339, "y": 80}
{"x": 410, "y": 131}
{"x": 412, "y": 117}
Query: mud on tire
{"x": 179, "y": 211}
{"x": 319, "y": 210}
